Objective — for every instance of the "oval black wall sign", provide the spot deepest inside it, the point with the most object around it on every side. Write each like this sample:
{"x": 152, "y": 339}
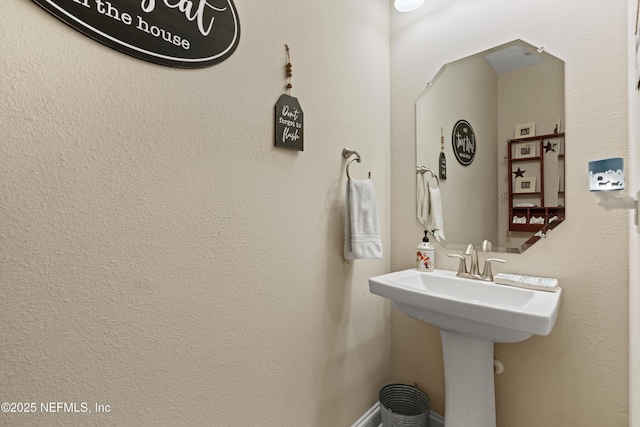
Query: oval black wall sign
{"x": 177, "y": 33}
{"x": 463, "y": 140}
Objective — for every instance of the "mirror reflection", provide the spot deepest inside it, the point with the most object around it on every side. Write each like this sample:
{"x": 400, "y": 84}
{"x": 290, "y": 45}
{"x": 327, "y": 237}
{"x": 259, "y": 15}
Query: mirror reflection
{"x": 491, "y": 126}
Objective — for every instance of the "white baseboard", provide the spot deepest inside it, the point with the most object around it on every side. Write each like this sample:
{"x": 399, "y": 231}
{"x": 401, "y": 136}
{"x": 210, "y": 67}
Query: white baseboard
{"x": 373, "y": 418}
{"x": 436, "y": 419}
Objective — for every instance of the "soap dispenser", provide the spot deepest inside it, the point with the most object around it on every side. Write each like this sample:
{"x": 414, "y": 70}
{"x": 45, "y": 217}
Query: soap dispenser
{"x": 426, "y": 255}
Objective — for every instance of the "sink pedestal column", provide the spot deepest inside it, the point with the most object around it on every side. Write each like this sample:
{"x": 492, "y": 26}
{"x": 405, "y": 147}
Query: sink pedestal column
{"x": 468, "y": 374}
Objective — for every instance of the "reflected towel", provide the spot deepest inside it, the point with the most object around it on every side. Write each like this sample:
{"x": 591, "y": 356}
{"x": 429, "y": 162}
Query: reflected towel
{"x": 536, "y": 220}
{"x": 436, "y": 225}
{"x": 429, "y": 207}
{"x": 424, "y": 201}
{"x": 362, "y": 224}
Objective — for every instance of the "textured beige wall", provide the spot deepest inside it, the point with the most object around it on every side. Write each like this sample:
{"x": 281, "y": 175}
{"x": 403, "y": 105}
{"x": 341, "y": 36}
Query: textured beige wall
{"x": 633, "y": 183}
{"x": 159, "y": 255}
{"x": 578, "y": 375}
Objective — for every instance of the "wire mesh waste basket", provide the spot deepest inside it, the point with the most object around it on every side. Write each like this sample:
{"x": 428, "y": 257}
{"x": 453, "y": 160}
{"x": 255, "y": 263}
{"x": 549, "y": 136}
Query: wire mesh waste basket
{"x": 404, "y": 406}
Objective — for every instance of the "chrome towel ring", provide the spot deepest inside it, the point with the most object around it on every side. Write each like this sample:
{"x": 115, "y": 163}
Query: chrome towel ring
{"x": 424, "y": 169}
{"x": 346, "y": 153}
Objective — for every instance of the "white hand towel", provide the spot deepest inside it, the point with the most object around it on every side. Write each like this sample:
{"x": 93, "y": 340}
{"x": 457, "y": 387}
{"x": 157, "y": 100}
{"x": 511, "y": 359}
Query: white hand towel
{"x": 362, "y": 224}
{"x": 424, "y": 201}
{"x": 436, "y": 224}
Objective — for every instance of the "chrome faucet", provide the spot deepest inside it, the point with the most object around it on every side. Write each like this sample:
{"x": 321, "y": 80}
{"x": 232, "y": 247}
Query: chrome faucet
{"x": 474, "y": 271}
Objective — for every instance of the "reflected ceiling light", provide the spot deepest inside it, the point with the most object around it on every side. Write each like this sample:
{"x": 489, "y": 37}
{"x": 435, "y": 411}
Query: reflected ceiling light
{"x": 407, "y": 5}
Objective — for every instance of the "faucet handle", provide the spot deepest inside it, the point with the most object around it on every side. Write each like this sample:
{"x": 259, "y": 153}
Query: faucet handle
{"x": 474, "y": 270}
{"x": 487, "y": 274}
{"x": 462, "y": 267}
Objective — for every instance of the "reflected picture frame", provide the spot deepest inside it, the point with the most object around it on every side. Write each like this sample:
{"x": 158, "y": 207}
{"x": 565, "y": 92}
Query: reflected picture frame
{"x": 526, "y": 130}
{"x": 525, "y": 185}
{"x": 522, "y": 150}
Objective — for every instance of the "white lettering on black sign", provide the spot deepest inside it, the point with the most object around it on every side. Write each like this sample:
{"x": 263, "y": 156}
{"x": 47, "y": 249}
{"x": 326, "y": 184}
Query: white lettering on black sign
{"x": 463, "y": 140}
{"x": 289, "y": 123}
{"x": 178, "y": 33}
{"x": 442, "y": 170}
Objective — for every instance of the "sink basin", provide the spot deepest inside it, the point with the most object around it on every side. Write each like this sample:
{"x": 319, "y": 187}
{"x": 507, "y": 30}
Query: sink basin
{"x": 472, "y": 315}
{"x": 483, "y": 310}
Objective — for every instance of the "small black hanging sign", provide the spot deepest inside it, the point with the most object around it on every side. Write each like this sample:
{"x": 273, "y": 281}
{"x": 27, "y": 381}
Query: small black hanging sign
{"x": 443, "y": 166}
{"x": 442, "y": 163}
{"x": 176, "y": 33}
{"x": 463, "y": 140}
{"x": 289, "y": 123}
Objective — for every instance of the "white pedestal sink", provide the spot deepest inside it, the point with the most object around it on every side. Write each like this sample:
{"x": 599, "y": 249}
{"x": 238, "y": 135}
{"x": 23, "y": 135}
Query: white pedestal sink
{"x": 471, "y": 315}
